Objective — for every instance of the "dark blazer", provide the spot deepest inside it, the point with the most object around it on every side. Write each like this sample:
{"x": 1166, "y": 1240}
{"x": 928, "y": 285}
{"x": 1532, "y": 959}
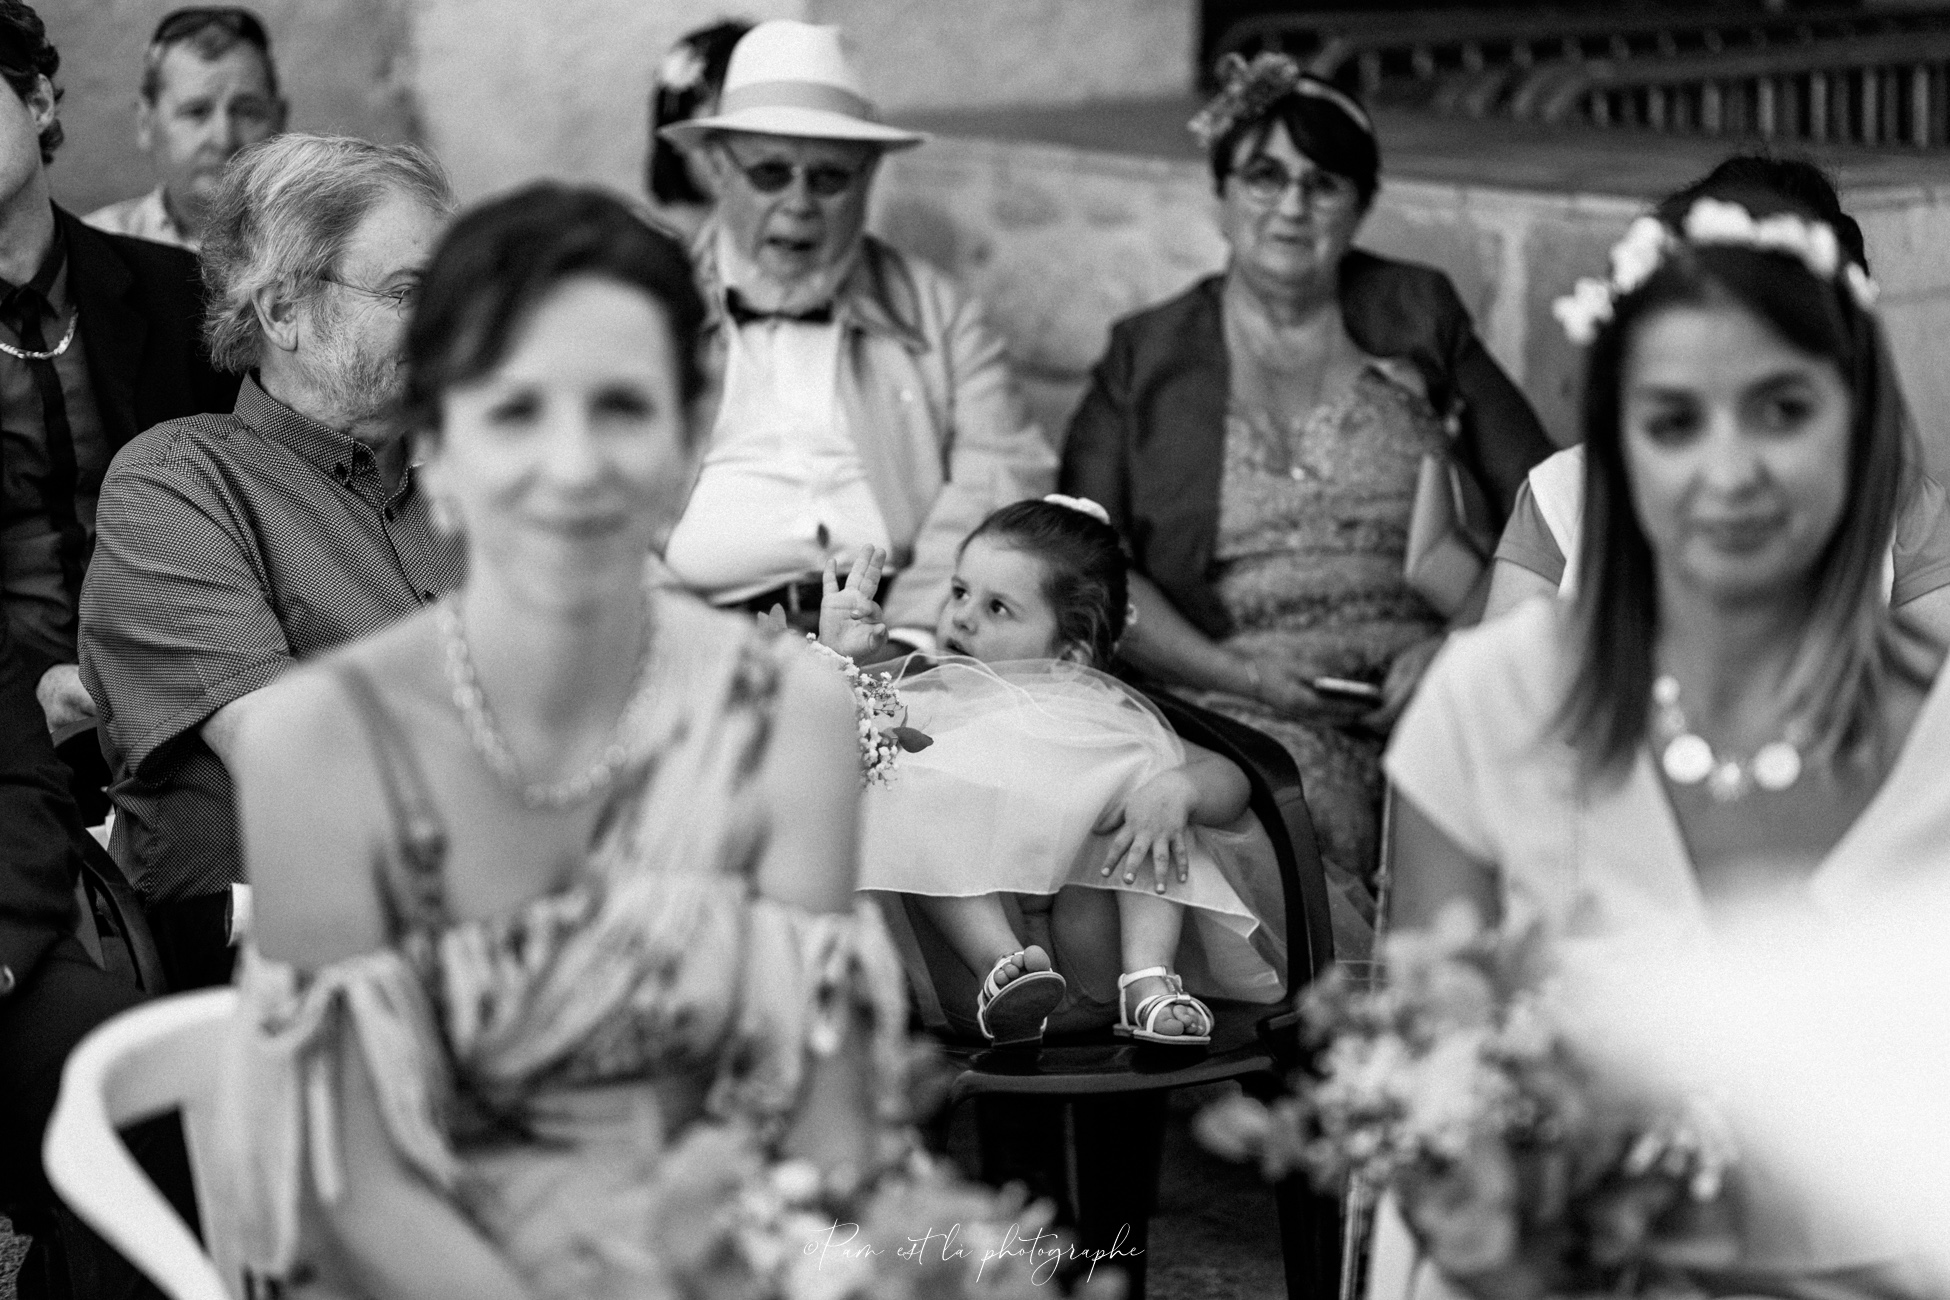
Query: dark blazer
{"x": 1149, "y": 440}
{"x": 38, "y": 825}
{"x": 141, "y": 306}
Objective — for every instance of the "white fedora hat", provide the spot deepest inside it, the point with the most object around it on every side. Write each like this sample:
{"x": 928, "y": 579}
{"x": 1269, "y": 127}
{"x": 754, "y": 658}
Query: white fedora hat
{"x": 792, "y": 78}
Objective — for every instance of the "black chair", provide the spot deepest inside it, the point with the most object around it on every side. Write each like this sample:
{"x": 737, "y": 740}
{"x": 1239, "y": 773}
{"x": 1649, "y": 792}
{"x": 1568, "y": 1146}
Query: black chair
{"x": 118, "y": 915}
{"x": 1097, "y": 1104}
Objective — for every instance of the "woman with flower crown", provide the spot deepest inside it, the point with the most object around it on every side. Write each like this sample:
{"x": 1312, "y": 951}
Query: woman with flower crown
{"x": 558, "y": 985}
{"x": 1727, "y": 713}
{"x": 1261, "y": 442}
{"x": 1538, "y": 550}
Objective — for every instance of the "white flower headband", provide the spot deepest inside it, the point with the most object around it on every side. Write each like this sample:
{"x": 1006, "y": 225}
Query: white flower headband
{"x": 1649, "y": 240}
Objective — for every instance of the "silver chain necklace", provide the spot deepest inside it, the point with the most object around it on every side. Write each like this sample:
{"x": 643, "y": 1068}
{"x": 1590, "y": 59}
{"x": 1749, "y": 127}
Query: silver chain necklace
{"x": 1687, "y": 758}
{"x": 485, "y": 735}
{"x": 28, "y": 354}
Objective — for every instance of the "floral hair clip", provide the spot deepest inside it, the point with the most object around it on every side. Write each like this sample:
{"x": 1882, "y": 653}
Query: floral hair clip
{"x": 682, "y": 68}
{"x": 1083, "y": 505}
{"x": 1649, "y": 240}
{"x": 1248, "y": 89}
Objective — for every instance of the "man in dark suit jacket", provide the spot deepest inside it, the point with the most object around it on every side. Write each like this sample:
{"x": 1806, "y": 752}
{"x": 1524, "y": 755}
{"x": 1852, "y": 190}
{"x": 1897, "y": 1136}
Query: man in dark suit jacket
{"x": 51, "y": 995}
{"x": 99, "y": 340}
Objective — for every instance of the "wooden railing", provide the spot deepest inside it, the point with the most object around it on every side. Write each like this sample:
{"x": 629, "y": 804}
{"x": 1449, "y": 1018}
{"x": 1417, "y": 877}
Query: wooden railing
{"x": 1869, "y": 76}
{"x": 1879, "y": 91}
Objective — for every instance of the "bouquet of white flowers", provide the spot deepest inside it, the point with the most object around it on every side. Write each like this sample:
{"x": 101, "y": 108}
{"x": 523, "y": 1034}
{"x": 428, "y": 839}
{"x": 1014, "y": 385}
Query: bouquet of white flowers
{"x": 884, "y": 733}
{"x": 1520, "y": 1169}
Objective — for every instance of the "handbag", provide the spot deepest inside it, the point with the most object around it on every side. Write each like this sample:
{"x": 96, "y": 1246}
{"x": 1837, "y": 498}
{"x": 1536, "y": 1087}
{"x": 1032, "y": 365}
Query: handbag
{"x": 1452, "y": 533}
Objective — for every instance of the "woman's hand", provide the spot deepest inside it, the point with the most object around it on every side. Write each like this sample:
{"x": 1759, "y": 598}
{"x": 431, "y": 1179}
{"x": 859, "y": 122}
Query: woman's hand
{"x": 1283, "y": 682}
{"x": 849, "y": 620}
{"x": 1151, "y": 824}
{"x": 1404, "y": 675}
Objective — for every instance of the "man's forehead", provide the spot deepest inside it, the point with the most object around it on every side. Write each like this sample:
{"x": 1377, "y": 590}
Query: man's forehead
{"x": 397, "y": 233}
{"x": 753, "y": 146}
{"x": 184, "y": 70}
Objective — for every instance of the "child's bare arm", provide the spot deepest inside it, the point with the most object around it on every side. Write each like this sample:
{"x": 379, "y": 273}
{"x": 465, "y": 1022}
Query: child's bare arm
{"x": 1222, "y": 789}
{"x": 1205, "y": 790}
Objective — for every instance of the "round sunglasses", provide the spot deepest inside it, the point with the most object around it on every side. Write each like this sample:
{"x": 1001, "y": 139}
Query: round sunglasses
{"x": 823, "y": 180}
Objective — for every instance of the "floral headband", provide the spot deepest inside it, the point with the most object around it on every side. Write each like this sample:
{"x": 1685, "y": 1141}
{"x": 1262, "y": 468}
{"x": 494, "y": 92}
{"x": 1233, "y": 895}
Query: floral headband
{"x": 1648, "y": 242}
{"x": 1249, "y": 89}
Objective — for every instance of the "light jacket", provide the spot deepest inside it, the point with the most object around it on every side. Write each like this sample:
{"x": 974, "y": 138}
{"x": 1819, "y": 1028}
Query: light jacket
{"x": 927, "y": 396}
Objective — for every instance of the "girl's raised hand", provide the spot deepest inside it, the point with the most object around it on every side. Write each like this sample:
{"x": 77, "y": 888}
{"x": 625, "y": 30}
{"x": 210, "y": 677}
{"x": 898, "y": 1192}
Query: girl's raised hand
{"x": 1151, "y": 825}
{"x": 849, "y": 620}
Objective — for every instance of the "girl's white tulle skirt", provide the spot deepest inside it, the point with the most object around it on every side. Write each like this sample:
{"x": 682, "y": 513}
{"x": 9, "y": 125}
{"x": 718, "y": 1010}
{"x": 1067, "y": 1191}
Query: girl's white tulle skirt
{"x": 1027, "y": 761}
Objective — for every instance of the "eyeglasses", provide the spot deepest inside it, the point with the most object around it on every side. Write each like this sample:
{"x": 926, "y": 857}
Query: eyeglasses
{"x": 182, "y": 24}
{"x": 400, "y": 299}
{"x": 823, "y": 180}
{"x": 1266, "y": 180}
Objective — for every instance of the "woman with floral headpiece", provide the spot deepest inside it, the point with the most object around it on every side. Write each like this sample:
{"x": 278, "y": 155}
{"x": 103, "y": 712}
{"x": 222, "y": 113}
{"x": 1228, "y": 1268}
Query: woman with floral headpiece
{"x": 1728, "y": 714}
{"x": 1261, "y": 439}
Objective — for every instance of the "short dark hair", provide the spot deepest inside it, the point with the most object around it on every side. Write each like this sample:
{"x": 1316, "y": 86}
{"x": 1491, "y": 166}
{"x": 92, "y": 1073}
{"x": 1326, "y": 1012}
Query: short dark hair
{"x": 26, "y": 55}
{"x": 1317, "y": 119}
{"x": 1086, "y": 578}
{"x": 499, "y": 262}
{"x": 706, "y": 53}
{"x": 1854, "y": 647}
{"x": 212, "y": 31}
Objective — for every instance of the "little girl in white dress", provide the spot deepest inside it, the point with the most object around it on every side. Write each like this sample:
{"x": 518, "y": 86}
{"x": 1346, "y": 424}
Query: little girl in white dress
{"x": 1067, "y": 845}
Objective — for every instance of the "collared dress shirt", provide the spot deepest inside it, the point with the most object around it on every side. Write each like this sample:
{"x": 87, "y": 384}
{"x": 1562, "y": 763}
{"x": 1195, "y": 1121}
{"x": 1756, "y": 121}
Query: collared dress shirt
{"x": 228, "y": 547}
{"x": 40, "y": 608}
{"x": 782, "y": 486}
{"x": 925, "y": 397}
{"x": 145, "y": 216}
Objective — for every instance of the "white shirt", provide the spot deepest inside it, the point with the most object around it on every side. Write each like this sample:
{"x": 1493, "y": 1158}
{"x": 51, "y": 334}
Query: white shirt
{"x": 146, "y": 217}
{"x": 782, "y": 486}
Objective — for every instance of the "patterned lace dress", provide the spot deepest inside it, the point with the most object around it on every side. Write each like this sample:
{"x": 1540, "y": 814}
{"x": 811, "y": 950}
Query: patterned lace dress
{"x": 510, "y": 1059}
{"x": 1313, "y": 530}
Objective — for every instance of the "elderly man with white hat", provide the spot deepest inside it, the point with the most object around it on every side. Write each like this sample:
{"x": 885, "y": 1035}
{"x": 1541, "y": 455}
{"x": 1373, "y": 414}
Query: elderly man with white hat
{"x": 866, "y": 402}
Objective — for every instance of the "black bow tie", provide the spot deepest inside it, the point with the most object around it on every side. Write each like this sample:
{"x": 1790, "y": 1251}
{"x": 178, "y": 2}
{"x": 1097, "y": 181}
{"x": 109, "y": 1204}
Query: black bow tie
{"x": 743, "y": 313}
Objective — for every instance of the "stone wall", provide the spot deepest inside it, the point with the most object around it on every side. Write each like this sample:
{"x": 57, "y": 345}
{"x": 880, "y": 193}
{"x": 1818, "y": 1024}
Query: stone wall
{"x": 346, "y": 67}
{"x": 1061, "y": 241}
{"x": 507, "y": 90}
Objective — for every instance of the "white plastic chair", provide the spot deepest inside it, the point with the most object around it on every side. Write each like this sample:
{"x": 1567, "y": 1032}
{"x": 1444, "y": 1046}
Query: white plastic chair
{"x": 154, "y": 1058}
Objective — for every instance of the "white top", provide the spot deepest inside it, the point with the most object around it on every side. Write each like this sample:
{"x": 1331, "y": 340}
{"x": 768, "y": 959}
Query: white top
{"x": 782, "y": 486}
{"x": 1476, "y": 754}
{"x": 146, "y": 217}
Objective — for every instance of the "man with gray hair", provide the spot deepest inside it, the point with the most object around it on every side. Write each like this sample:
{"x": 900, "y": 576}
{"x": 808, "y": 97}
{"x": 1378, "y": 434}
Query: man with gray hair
{"x": 231, "y": 545}
{"x": 209, "y": 90}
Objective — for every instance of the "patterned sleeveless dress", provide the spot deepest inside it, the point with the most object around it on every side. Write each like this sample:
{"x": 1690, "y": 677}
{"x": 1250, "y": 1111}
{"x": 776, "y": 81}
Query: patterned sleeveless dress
{"x": 509, "y": 1057}
{"x": 1313, "y": 532}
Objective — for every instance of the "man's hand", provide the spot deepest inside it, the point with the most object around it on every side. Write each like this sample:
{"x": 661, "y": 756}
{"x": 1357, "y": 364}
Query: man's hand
{"x": 63, "y": 698}
{"x": 849, "y": 620}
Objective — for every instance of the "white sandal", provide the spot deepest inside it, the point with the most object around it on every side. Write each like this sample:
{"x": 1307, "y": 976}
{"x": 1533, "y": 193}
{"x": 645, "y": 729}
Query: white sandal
{"x": 1142, "y": 1024}
{"x": 1013, "y": 1014}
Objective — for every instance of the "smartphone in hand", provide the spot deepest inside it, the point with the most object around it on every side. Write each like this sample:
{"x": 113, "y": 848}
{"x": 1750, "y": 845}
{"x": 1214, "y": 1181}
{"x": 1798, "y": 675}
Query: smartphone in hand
{"x": 1347, "y": 688}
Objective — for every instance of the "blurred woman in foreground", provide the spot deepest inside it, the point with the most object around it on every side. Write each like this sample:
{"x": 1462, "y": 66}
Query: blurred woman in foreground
{"x": 1728, "y": 711}
{"x": 557, "y": 869}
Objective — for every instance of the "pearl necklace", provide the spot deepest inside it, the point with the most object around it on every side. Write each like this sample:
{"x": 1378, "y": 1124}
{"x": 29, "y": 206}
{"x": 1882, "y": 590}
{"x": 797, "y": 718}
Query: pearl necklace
{"x": 28, "y": 354}
{"x": 1687, "y": 759}
{"x": 485, "y": 736}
